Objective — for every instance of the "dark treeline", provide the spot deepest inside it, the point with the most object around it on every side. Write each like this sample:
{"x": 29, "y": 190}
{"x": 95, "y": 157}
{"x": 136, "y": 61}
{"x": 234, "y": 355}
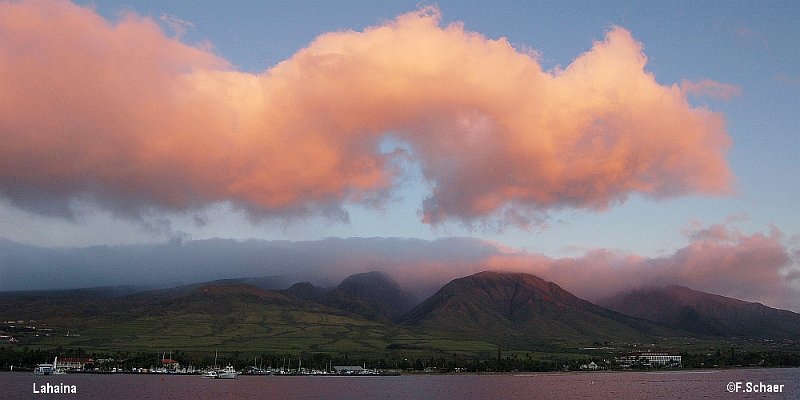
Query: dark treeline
{"x": 740, "y": 358}
{"x": 26, "y": 358}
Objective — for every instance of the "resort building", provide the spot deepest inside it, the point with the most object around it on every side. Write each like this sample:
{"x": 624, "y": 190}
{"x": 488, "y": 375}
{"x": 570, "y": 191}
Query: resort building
{"x": 75, "y": 364}
{"x": 648, "y": 360}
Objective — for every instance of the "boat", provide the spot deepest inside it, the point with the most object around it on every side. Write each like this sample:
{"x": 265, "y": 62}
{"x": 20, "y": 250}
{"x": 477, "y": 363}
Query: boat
{"x": 46, "y": 369}
{"x": 227, "y": 373}
{"x": 211, "y": 374}
{"x": 255, "y": 369}
{"x": 215, "y": 373}
{"x": 43, "y": 369}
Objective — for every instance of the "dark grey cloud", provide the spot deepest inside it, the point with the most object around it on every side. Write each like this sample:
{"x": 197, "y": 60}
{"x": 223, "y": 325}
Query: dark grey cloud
{"x": 418, "y": 264}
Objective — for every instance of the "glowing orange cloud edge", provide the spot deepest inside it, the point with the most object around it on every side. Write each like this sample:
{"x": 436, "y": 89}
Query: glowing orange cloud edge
{"x": 133, "y": 119}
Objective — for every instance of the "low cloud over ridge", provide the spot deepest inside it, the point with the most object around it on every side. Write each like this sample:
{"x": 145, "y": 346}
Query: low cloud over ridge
{"x": 122, "y": 115}
{"x": 719, "y": 259}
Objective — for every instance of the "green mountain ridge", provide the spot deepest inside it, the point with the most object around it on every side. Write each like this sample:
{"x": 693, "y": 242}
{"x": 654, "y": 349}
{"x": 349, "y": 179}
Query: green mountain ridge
{"x": 705, "y": 313}
{"x": 470, "y": 317}
{"x": 517, "y": 307}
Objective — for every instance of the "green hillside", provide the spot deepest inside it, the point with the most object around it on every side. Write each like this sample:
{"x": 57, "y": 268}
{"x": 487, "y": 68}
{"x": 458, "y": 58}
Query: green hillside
{"x": 479, "y": 317}
{"x": 521, "y": 310}
{"x": 223, "y": 318}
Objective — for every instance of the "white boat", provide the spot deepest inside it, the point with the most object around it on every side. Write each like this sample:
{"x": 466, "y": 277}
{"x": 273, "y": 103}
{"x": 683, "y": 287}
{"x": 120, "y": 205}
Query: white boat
{"x": 43, "y": 369}
{"x": 212, "y": 374}
{"x": 46, "y": 369}
{"x": 227, "y": 373}
{"x": 215, "y": 373}
{"x": 256, "y": 369}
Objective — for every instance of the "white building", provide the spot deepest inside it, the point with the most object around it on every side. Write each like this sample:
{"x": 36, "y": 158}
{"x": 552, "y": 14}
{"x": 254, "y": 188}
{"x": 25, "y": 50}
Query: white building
{"x": 74, "y": 364}
{"x": 648, "y": 359}
{"x": 592, "y": 366}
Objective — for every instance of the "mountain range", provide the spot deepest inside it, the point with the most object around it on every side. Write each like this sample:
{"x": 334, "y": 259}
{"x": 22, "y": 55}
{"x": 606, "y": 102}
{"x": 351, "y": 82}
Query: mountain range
{"x": 706, "y": 314}
{"x": 370, "y": 311}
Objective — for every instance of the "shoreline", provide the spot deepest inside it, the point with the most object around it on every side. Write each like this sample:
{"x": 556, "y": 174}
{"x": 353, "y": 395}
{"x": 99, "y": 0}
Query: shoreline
{"x": 420, "y": 373}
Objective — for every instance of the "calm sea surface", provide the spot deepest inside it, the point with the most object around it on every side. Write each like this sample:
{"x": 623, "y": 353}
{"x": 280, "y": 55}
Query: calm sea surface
{"x": 605, "y": 385}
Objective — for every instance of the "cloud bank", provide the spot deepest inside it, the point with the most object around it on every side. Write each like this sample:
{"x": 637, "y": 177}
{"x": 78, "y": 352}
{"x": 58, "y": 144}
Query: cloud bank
{"x": 417, "y": 264}
{"x": 122, "y": 115}
{"x": 754, "y": 267}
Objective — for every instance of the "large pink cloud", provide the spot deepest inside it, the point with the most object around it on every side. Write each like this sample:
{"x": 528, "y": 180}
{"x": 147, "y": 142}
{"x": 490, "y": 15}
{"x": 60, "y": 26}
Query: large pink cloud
{"x": 125, "y": 116}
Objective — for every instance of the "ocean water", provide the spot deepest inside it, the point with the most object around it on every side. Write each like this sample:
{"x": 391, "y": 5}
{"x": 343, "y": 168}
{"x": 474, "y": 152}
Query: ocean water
{"x": 709, "y": 384}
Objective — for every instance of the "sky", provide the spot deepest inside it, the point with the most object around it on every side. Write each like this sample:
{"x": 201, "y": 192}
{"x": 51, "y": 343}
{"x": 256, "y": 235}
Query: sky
{"x": 601, "y": 145}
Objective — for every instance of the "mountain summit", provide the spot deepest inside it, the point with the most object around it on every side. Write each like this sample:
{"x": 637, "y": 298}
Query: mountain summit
{"x": 514, "y": 306}
{"x": 371, "y": 295}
